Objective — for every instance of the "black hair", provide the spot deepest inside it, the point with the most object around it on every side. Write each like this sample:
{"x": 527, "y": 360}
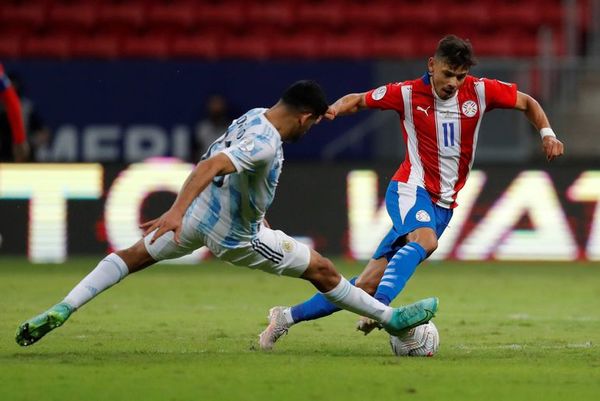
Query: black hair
{"x": 456, "y": 52}
{"x": 306, "y": 96}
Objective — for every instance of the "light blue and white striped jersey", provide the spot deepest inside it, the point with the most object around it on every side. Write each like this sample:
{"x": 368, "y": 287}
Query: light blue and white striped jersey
{"x": 232, "y": 207}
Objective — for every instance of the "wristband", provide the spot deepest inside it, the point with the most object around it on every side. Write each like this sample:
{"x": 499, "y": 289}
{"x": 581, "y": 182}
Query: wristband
{"x": 544, "y": 132}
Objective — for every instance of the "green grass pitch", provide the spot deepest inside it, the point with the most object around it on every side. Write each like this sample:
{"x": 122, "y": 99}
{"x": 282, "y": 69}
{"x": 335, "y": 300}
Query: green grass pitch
{"x": 509, "y": 331}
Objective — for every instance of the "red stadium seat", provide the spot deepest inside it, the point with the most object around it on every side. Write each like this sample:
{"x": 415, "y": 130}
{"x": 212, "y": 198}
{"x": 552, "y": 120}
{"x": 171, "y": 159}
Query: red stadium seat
{"x": 221, "y": 17}
{"x": 31, "y": 16}
{"x": 73, "y": 17}
{"x": 278, "y": 14}
{"x": 475, "y": 16}
{"x": 499, "y": 44}
{"x": 424, "y": 45}
{"x": 376, "y": 15}
{"x": 344, "y": 46}
{"x": 586, "y": 15}
{"x": 121, "y": 18}
{"x": 284, "y": 28}
{"x": 552, "y": 14}
{"x": 525, "y": 45}
{"x": 55, "y": 46}
{"x": 323, "y": 14}
{"x": 10, "y": 46}
{"x": 251, "y": 47}
{"x": 391, "y": 46}
{"x": 421, "y": 16}
{"x": 560, "y": 47}
{"x": 149, "y": 46}
{"x": 171, "y": 17}
{"x": 297, "y": 45}
{"x": 198, "y": 46}
{"x": 103, "y": 47}
{"x": 522, "y": 15}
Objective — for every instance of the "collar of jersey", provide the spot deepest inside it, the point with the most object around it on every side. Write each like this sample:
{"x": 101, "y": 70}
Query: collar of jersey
{"x": 262, "y": 115}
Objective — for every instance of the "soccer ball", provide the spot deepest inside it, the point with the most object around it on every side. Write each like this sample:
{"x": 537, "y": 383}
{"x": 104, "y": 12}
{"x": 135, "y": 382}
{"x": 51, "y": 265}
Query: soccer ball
{"x": 423, "y": 340}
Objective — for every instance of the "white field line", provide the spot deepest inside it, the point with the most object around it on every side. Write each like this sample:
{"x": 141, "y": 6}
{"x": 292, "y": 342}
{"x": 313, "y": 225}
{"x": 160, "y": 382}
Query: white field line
{"x": 518, "y": 347}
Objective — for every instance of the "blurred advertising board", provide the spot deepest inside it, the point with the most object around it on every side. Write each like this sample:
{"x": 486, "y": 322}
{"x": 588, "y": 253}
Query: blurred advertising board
{"x": 52, "y": 211}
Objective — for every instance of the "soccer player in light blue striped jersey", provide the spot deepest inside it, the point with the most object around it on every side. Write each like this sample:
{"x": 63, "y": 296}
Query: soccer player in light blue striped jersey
{"x": 222, "y": 206}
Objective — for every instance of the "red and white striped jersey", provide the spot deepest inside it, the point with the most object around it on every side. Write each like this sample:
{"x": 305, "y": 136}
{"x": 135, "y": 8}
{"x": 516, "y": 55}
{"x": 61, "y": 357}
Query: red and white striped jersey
{"x": 440, "y": 135}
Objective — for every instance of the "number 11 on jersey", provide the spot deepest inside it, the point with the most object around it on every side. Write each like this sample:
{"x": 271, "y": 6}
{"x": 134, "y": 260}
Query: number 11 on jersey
{"x": 448, "y": 134}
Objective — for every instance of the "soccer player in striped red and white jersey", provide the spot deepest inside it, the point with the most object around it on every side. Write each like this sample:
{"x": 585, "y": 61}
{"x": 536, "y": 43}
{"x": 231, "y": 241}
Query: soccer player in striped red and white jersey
{"x": 440, "y": 115}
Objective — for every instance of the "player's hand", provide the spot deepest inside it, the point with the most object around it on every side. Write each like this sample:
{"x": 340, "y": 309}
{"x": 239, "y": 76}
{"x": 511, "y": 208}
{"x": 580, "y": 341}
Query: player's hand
{"x": 367, "y": 325}
{"x": 169, "y": 221}
{"x": 553, "y": 148}
{"x": 331, "y": 113}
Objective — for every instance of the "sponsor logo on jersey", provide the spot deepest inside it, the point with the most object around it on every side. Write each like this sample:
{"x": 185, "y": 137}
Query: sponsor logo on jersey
{"x": 423, "y": 216}
{"x": 469, "y": 108}
{"x": 379, "y": 93}
{"x": 288, "y": 246}
{"x": 419, "y": 108}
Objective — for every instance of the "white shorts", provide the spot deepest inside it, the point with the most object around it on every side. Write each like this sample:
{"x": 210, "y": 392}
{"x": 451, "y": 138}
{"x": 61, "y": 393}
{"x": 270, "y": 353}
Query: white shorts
{"x": 271, "y": 251}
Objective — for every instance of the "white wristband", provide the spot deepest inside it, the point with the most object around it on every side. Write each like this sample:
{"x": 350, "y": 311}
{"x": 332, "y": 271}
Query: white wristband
{"x": 544, "y": 132}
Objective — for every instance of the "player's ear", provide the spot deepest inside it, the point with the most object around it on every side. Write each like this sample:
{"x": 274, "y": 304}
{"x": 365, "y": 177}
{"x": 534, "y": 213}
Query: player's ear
{"x": 430, "y": 65}
{"x": 304, "y": 117}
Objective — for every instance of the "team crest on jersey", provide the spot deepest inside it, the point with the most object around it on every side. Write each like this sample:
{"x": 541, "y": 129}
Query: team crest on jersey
{"x": 423, "y": 216}
{"x": 379, "y": 93}
{"x": 469, "y": 108}
{"x": 247, "y": 144}
{"x": 288, "y": 246}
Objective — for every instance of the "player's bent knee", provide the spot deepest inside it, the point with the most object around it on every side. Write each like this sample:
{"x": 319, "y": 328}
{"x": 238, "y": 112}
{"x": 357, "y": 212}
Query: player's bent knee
{"x": 429, "y": 244}
{"x": 426, "y": 238}
{"x": 324, "y": 268}
{"x": 136, "y": 257}
{"x": 321, "y": 272}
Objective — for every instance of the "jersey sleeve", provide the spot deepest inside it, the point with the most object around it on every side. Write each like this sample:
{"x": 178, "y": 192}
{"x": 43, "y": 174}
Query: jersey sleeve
{"x": 386, "y": 97}
{"x": 251, "y": 152}
{"x": 499, "y": 94}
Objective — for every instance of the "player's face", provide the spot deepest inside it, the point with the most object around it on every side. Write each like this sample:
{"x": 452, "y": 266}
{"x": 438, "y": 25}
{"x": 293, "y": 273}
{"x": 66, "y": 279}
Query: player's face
{"x": 305, "y": 122}
{"x": 446, "y": 79}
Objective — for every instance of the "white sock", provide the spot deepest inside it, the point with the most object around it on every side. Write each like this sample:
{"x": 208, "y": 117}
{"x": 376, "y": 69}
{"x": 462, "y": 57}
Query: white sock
{"x": 287, "y": 314}
{"x": 354, "y": 299}
{"x": 107, "y": 273}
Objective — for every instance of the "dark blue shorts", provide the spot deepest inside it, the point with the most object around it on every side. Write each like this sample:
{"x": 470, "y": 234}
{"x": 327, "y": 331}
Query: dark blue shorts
{"x": 410, "y": 207}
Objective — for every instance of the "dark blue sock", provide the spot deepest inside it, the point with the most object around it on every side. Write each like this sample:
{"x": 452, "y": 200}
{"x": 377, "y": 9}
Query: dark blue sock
{"x": 314, "y": 308}
{"x": 399, "y": 269}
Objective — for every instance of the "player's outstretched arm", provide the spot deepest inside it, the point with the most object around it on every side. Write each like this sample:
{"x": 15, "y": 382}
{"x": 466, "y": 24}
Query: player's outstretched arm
{"x": 346, "y": 105}
{"x": 535, "y": 114}
{"x": 196, "y": 182}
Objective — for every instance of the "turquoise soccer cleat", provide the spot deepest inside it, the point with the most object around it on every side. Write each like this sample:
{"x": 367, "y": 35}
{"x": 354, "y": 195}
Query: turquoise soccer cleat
{"x": 37, "y": 327}
{"x": 413, "y": 315}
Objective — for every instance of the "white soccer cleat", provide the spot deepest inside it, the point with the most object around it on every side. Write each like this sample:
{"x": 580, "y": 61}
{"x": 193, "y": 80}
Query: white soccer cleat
{"x": 277, "y": 327}
{"x": 367, "y": 325}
